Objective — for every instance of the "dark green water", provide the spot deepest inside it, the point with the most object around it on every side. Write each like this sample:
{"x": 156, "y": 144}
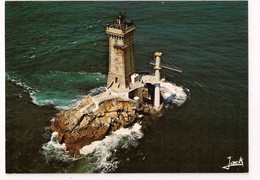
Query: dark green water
{"x": 56, "y": 52}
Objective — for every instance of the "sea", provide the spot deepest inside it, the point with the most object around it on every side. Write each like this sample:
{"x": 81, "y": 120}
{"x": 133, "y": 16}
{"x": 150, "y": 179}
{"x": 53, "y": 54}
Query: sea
{"x": 57, "y": 53}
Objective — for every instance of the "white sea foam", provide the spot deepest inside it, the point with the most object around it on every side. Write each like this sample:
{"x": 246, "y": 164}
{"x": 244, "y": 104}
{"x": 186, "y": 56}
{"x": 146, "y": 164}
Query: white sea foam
{"x": 173, "y": 93}
{"x": 62, "y": 104}
{"x": 19, "y": 82}
{"x": 33, "y": 94}
{"x": 99, "y": 156}
{"x": 72, "y": 103}
{"x": 53, "y": 143}
{"x": 25, "y": 87}
{"x": 105, "y": 149}
{"x": 42, "y": 102}
{"x": 55, "y": 102}
{"x": 54, "y": 150}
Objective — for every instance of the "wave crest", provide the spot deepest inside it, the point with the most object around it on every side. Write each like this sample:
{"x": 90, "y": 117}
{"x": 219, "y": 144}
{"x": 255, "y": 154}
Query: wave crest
{"x": 174, "y": 94}
{"x": 99, "y": 156}
{"x": 54, "y": 150}
{"x": 105, "y": 149}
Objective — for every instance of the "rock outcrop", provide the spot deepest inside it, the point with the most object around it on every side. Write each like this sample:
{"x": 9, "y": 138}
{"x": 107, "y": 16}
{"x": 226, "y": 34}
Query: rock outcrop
{"x": 80, "y": 126}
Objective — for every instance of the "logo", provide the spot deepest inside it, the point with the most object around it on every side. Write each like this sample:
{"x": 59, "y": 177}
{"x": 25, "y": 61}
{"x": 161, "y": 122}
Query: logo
{"x": 233, "y": 163}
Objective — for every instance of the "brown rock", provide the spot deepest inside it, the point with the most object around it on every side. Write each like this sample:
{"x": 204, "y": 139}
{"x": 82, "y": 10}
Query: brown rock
{"x": 80, "y": 126}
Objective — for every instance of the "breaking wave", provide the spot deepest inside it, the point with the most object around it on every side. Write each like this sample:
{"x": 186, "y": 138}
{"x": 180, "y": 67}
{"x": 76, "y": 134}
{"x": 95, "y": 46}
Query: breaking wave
{"x": 99, "y": 156}
{"x": 54, "y": 150}
{"x": 174, "y": 94}
{"x": 105, "y": 149}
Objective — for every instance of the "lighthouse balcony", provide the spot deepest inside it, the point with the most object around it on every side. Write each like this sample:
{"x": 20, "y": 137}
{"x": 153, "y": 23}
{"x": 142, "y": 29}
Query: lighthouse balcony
{"x": 119, "y": 31}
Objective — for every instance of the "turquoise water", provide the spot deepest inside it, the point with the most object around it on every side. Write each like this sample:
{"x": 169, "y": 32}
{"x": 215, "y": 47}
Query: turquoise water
{"x": 56, "y": 53}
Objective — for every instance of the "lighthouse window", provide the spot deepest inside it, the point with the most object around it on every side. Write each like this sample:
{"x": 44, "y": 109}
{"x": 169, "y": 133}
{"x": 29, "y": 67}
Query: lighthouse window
{"x": 115, "y": 79}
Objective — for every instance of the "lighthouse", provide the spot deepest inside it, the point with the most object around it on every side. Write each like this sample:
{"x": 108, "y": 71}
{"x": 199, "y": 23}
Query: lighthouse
{"x": 121, "y": 54}
{"x": 123, "y": 82}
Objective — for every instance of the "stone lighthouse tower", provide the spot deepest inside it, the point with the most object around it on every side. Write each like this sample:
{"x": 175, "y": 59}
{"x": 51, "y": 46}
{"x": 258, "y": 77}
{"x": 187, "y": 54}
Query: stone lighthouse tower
{"x": 121, "y": 54}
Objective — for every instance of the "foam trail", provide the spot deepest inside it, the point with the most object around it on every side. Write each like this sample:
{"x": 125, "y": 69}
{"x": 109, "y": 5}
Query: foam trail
{"x": 19, "y": 82}
{"x": 49, "y": 95}
{"x": 59, "y": 104}
{"x": 173, "y": 94}
{"x": 104, "y": 150}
